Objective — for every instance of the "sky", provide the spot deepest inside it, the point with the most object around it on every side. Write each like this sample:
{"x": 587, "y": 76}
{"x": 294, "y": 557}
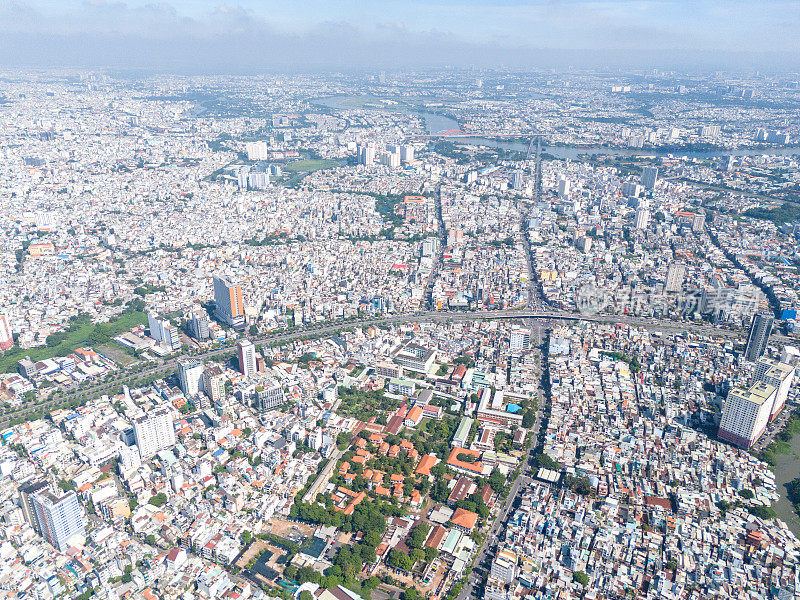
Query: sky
{"x": 263, "y": 35}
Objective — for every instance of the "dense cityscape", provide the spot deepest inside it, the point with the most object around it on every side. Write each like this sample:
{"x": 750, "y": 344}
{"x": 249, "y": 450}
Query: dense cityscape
{"x": 446, "y": 334}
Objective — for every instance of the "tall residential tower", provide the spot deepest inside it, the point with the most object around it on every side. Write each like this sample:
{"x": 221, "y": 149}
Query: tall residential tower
{"x": 154, "y": 432}
{"x": 230, "y": 307}
{"x": 60, "y": 517}
{"x": 758, "y": 337}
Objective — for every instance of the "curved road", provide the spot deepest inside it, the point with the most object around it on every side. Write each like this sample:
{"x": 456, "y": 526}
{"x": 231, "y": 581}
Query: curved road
{"x": 138, "y": 370}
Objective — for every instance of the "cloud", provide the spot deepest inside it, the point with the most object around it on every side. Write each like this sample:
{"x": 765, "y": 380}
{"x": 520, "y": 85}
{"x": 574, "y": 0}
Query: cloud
{"x": 319, "y": 34}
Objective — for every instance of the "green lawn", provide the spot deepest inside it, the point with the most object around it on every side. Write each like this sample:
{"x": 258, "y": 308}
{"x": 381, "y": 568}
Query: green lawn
{"x": 86, "y": 334}
{"x": 311, "y": 164}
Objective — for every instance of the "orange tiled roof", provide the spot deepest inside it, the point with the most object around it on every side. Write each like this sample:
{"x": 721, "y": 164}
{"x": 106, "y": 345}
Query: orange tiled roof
{"x": 453, "y": 460}
{"x": 426, "y": 464}
{"x": 464, "y": 518}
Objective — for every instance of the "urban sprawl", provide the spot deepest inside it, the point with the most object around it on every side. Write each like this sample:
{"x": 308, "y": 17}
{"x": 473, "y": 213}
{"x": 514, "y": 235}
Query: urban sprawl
{"x": 447, "y": 335}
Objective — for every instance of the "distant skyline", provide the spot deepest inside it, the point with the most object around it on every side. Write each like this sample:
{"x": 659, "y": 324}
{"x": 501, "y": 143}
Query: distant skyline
{"x": 205, "y": 35}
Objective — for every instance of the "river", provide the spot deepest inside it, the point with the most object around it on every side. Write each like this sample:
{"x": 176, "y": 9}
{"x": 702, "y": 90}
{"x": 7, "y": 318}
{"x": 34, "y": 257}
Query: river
{"x": 787, "y": 467}
{"x": 437, "y": 124}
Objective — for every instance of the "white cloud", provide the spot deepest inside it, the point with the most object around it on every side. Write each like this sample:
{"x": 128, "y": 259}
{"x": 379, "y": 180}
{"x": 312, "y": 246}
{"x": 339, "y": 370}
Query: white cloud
{"x": 320, "y": 33}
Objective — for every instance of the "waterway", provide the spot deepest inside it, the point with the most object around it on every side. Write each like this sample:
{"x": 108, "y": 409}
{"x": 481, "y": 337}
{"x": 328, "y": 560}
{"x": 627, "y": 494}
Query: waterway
{"x": 437, "y": 124}
{"x": 787, "y": 467}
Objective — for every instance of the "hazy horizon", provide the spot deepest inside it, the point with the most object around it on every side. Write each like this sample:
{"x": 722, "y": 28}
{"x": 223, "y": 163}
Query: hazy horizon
{"x": 206, "y": 36}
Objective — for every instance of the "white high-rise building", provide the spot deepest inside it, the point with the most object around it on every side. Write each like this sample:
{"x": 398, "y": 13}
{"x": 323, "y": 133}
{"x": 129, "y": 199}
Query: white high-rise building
{"x": 777, "y": 137}
{"x": 242, "y": 177}
{"x": 504, "y": 566}
{"x": 430, "y": 247}
{"x": 6, "y": 338}
{"x": 129, "y": 458}
{"x": 757, "y": 339}
{"x": 198, "y": 326}
{"x": 163, "y": 331}
{"x": 26, "y": 493}
{"x": 779, "y": 375}
{"x": 258, "y": 180}
{"x": 247, "y": 357}
{"x": 520, "y": 339}
{"x": 790, "y": 356}
{"x": 60, "y": 517}
{"x": 268, "y": 395}
{"x": 257, "y": 150}
{"x": 390, "y": 159}
{"x": 407, "y": 154}
{"x": 649, "y": 177}
{"x": 584, "y": 243}
{"x": 365, "y": 153}
{"x": 709, "y": 132}
{"x": 214, "y": 382}
{"x": 190, "y": 375}
{"x": 762, "y": 365}
{"x": 675, "y": 276}
{"x": 631, "y": 190}
{"x": 642, "y": 217}
{"x": 745, "y": 414}
{"x": 699, "y": 221}
{"x": 154, "y": 432}
{"x": 563, "y": 186}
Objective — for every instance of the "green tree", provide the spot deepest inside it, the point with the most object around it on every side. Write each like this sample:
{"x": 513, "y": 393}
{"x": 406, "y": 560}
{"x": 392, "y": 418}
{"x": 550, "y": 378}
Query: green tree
{"x": 528, "y": 419}
{"x": 400, "y": 560}
{"x": 66, "y": 485}
{"x": 497, "y": 481}
{"x": 417, "y": 555}
{"x": 440, "y": 491}
{"x": 330, "y": 582}
{"x": 762, "y": 512}
{"x": 672, "y": 565}
{"x": 411, "y": 593}
{"x": 368, "y": 554}
{"x": 372, "y": 538}
{"x": 371, "y": 583}
{"x": 305, "y": 574}
{"x": 581, "y": 577}
{"x": 582, "y": 486}
{"x": 159, "y": 499}
{"x": 546, "y": 462}
{"x": 418, "y": 535}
